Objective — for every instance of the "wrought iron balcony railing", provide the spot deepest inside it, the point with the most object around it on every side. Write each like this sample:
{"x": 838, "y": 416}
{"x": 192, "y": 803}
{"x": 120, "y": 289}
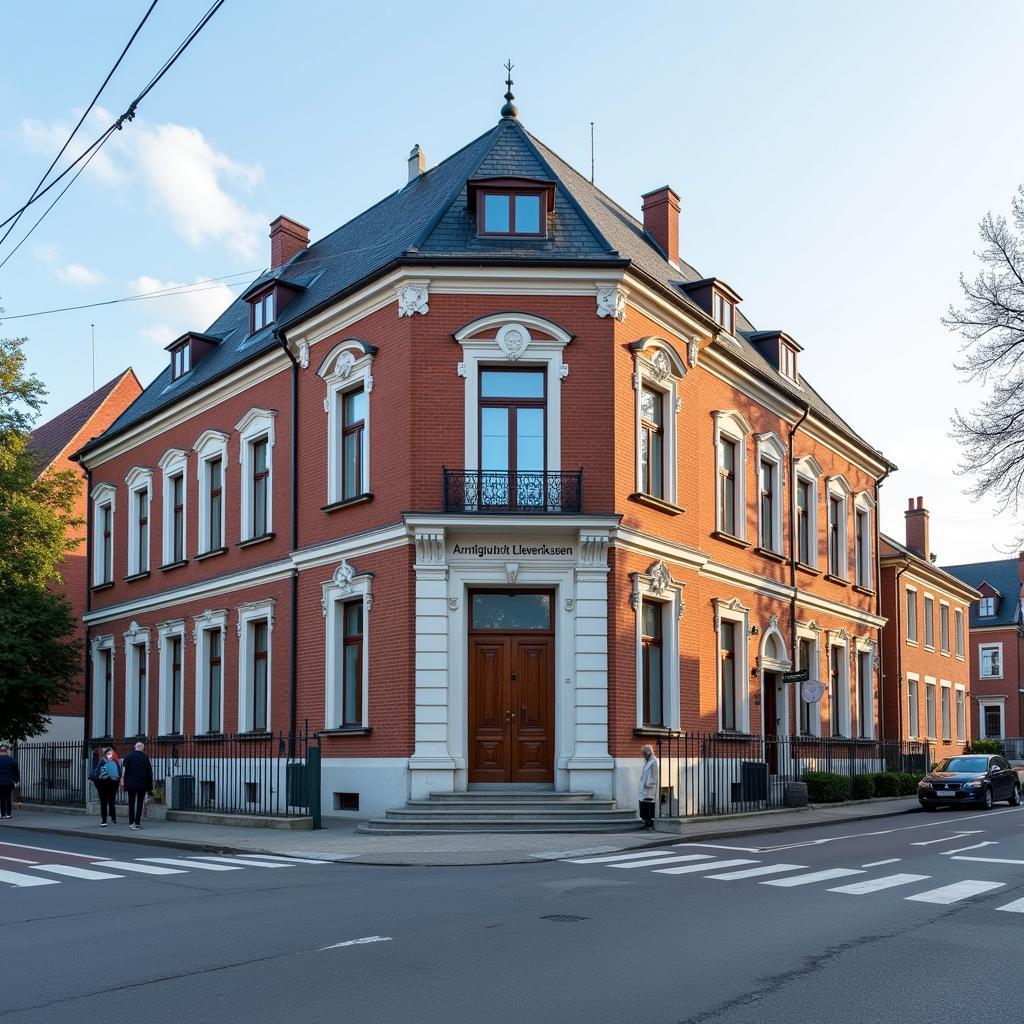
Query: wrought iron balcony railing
{"x": 471, "y": 490}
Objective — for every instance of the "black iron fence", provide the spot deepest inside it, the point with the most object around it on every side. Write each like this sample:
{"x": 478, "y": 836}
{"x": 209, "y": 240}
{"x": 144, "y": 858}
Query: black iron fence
{"x": 467, "y": 490}
{"x": 266, "y": 774}
{"x": 718, "y": 773}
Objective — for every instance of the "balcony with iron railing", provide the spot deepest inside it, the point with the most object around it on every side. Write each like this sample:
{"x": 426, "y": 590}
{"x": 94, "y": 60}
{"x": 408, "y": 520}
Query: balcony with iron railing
{"x": 497, "y": 491}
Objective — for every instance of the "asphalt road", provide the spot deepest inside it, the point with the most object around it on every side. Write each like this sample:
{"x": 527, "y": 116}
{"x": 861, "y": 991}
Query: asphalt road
{"x": 907, "y": 919}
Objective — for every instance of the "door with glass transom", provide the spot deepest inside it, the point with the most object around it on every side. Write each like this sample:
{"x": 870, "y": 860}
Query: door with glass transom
{"x": 511, "y": 686}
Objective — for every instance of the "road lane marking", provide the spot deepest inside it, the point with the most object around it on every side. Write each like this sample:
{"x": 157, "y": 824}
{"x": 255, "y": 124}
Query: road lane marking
{"x": 814, "y": 876}
{"x": 46, "y": 849}
{"x": 73, "y": 872}
{"x": 24, "y": 881}
{"x": 173, "y": 862}
{"x": 240, "y": 860}
{"x": 878, "y": 884}
{"x": 288, "y": 860}
{"x": 1016, "y": 907}
{"x": 991, "y": 860}
{"x": 718, "y": 846}
{"x": 142, "y": 869}
{"x": 620, "y": 856}
{"x": 357, "y": 942}
{"x": 955, "y": 892}
{"x": 964, "y": 849}
{"x": 768, "y": 869}
{"x": 715, "y": 865}
{"x": 879, "y": 863}
{"x": 19, "y": 860}
{"x": 949, "y": 839}
{"x": 663, "y": 860}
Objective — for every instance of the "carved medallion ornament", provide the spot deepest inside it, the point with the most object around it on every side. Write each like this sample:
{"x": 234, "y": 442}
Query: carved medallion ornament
{"x": 412, "y": 298}
{"x": 660, "y": 579}
{"x": 661, "y": 368}
{"x": 611, "y": 301}
{"x": 343, "y": 365}
{"x": 343, "y": 577}
{"x": 513, "y": 340}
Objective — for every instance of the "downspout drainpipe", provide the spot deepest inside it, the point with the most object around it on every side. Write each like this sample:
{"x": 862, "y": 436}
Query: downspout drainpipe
{"x": 293, "y": 695}
{"x": 792, "y": 547}
{"x": 878, "y": 606}
{"x": 899, "y": 653}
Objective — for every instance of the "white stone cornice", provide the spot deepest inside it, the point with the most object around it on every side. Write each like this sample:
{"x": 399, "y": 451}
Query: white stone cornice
{"x": 412, "y": 298}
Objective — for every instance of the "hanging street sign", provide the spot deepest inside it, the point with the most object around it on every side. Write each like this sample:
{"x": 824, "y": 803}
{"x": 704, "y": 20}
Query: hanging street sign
{"x": 801, "y": 675}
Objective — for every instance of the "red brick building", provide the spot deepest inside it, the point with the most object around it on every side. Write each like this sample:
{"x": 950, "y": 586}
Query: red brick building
{"x": 997, "y": 649}
{"x": 926, "y": 680}
{"x": 55, "y": 441}
{"x": 487, "y": 485}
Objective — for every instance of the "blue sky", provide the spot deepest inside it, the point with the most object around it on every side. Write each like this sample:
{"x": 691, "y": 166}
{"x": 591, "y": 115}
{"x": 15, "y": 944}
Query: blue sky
{"x": 833, "y": 162}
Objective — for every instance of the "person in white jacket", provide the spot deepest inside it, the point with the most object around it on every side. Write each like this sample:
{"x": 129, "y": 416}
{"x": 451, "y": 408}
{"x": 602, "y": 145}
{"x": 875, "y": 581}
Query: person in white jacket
{"x": 650, "y": 780}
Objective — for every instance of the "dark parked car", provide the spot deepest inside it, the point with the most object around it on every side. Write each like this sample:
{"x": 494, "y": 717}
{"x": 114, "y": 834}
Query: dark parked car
{"x": 970, "y": 778}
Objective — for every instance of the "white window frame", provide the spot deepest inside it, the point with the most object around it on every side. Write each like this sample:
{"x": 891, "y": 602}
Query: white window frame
{"x": 958, "y": 633}
{"x": 249, "y": 613}
{"x": 960, "y": 701}
{"x": 255, "y": 425}
{"x": 946, "y": 710}
{"x": 808, "y": 470}
{"x": 982, "y": 614}
{"x": 211, "y": 445}
{"x": 731, "y": 424}
{"x": 344, "y": 587}
{"x": 139, "y": 481}
{"x": 658, "y": 367}
{"x": 916, "y": 638}
{"x": 507, "y": 338}
{"x": 840, "y": 639}
{"x": 136, "y": 645}
{"x": 862, "y": 645}
{"x": 981, "y": 661}
{"x": 103, "y": 647}
{"x": 931, "y": 725}
{"x": 172, "y": 463}
{"x": 657, "y": 586}
{"x": 770, "y": 448}
{"x": 733, "y": 611}
{"x": 864, "y": 505}
{"x": 812, "y": 633}
{"x": 838, "y": 487}
{"x": 103, "y": 496}
{"x": 913, "y": 706}
{"x": 203, "y": 625}
{"x": 945, "y": 643}
{"x": 929, "y": 621}
{"x": 348, "y": 368}
{"x": 992, "y": 702}
{"x": 166, "y": 631}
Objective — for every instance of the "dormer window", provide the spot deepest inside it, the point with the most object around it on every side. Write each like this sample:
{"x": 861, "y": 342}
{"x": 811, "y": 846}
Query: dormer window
{"x": 181, "y": 360}
{"x": 262, "y": 311}
{"x": 511, "y": 206}
{"x": 187, "y": 350}
{"x": 787, "y": 362}
{"x": 723, "y": 312}
{"x": 987, "y": 607}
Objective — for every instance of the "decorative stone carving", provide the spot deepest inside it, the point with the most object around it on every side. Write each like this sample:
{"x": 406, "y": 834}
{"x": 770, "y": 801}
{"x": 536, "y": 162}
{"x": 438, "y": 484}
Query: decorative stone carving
{"x": 343, "y": 577}
{"x": 773, "y": 624}
{"x": 611, "y": 301}
{"x": 368, "y": 602}
{"x": 513, "y": 340}
{"x": 693, "y": 350}
{"x": 660, "y": 579}
{"x": 327, "y": 405}
{"x": 460, "y": 369}
{"x": 634, "y": 597}
{"x": 733, "y": 606}
{"x": 430, "y": 547}
{"x": 570, "y": 603}
{"x": 511, "y": 571}
{"x": 134, "y": 629}
{"x": 304, "y": 354}
{"x": 682, "y": 608}
{"x": 661, "y": 368}
{"x": 343, "y": 365}
{"x": 593, "y": 549}
{"x": 412, "y": 298}
{"x": 453, "y": 603}
{"x": 563, "y": 371}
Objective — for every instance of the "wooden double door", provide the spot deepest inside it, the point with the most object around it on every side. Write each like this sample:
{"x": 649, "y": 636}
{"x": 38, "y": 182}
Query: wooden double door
{"x": 511, "y": 705}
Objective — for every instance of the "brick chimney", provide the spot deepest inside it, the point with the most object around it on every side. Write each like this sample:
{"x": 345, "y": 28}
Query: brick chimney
{"x": 417, "y": 162}
{"x": 917, "y": 528}
{"x": 661, "y": 220}
{"x": 287, "y": 237}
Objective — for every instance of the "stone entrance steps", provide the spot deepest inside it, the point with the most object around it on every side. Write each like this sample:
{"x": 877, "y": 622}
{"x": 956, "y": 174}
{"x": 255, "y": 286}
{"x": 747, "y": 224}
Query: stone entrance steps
{"x": 495, "y": 809}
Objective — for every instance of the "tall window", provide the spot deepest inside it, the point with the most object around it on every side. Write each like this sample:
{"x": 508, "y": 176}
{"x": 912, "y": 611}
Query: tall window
{"x": 353, "y": 420}
{"x": 835, "y": 535}
{"x": 958, "y": 628}
{"x": 512, "y": 438}
{"x": 865, "y": 702}
{"x": 175, "y": 689}
{"x": 262, "y": 311}
{"x": 961, "y": 715}
{"x": 992, "y": 721}
{"x": 947, "y": 724}
{"x": 863, "y": 547}
{"x": 106, "y": 525}
{"x": 181, "y": 360}
{"x": 141, "y": 685}
{"x": 990, "y": 660}
{"x": 835, "y": 689}
{"x": 141, "y": 526}
{"x": 944, "y": 628}
{"x": 214, "y": 679}
{"x": 258, "y": 709}
{"x": 105, "y": 705}
{"x": 260, "y": 486}
{"x": 351, "y": 704}
{"x": 806, "y": 657}
{"x": 653, "y": 664}
{"x": 929, "y": 622}
{"x": 728, "y": 699}
{"x": 804, "y": 497}
{"x": 727, "y": 486}
{"x": 929, "y": 709}
{"x": 652, "y": 443}
{"x": 913, "y": 709}
{"x": 215, "y": 504}
{"x": 912, "y": 616}
{"x": 766, "y": 526}
{"x": 722, "y": 310}
{"x": 177, "y": 517}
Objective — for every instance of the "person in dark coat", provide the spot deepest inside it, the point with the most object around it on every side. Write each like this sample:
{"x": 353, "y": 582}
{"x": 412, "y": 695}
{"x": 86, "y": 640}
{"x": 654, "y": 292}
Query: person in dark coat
{"x": 107, "y": 777}
{"x": 137, "y": 779}
{"x": 9, "y": 778}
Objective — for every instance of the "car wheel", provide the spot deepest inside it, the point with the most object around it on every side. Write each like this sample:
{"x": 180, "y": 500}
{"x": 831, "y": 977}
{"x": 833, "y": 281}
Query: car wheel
{"x": 986, "y": 798}
{"x": 1014, "y": 800}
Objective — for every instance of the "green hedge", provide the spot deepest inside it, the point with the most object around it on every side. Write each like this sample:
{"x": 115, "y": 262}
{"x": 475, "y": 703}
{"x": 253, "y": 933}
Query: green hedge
{"x": 985, "y": 747}
{"x": 888, "y": 784}
{"x": 908, "y": 783}
{"x": 863, "y": 786}
{"x": 828, "y": 787}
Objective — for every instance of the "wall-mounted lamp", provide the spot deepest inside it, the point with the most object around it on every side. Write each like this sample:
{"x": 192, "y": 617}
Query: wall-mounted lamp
{"x": 754, "y": 630}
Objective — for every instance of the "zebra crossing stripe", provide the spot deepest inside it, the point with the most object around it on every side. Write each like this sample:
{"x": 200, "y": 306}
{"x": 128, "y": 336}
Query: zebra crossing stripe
{"x": 173, "y": 862}
{"x": 767, "y": 869}
{"x": 713, "y": 866}
{"x": 72, "y": 872}
{"x": 24, "y": 881}
{"x": 608, "y": 858}
{"x": 663, "y": 860}
{"x": 878, "y": 884}
{"x": 955, "y": 892}
{"x": 814, "y": 876}
{"x": 142, "y": 869}
{"x": 240, "y": 860}
{"x": 287, "y": 860}
{"x": 1016, "y": 907}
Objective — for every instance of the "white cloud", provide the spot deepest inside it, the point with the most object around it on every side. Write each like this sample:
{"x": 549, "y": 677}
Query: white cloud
{"x": 46, "y": 138}
{"x": 182, "y": 311}
{"x": 75, "y": 273}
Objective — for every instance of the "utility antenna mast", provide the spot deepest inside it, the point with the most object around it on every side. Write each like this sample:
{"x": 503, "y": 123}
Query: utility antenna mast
{"x": 591, "y": 152}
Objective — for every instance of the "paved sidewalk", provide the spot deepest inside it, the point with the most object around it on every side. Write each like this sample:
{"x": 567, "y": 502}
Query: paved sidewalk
{"x": 339, "y": 841}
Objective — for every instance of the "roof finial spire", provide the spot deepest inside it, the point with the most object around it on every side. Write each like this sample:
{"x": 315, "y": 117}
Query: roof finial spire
{"x": 509, "y": 109}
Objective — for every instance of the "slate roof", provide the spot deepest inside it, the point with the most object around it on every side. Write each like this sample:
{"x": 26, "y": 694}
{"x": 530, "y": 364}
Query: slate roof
{"x": 1002, "y": 575}
{"x": 429, "y": 220}
{"x": 49, "y": 439}
{"x": 901, "y": 550}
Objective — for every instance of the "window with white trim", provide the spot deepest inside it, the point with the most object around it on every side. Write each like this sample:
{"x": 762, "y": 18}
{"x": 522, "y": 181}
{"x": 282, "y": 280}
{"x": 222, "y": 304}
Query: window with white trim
{"x": 808, "y": 473}
{"x": 140, "y": 493}
{"x": 347, "y": 375}
{"x": 103, "y": 504}
{"x": 839, "y": 687}
{"x": 731, "y": 620}
{"x": 961, "y": 714}
{"x": 657, "y": 372}
{"x": 946, "y": 695}
{"x": 809, "y": 712}
{"x": 256, "y": 441}
{"x": 944, "y": 627}
{"x": 347, "y": 600}
{"x": 865, "y": 691}
{"x": 991, "y": 713}
{"x": 929, "y": 621}
{"x": 958, "y": 629}
{"x": 175, "y": 506}
{"x": 136, "y": 682}
{"x": 911, "y": 615}
{"x": 657, "y": 602}
{"x": 838, "y": 528}
{"x": 172, "y": 678}
{"x": 771, "y": 453}
{"x": 210, "y": 633}
{"x": 731, "y": 431}
{"x": 929, "y": 708}
{"x": 990, "y": 661}
{"x": 913, "y": 706}
{"x": 862, "y": 546}
{"x": 103, "y": 686}
{"x": 987, "y": 607}
{"x": 255, "y": 624}
{"x": 211, "y": 463}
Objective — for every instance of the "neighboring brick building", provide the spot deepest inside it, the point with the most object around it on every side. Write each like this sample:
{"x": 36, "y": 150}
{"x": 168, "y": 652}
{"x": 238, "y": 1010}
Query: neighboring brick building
{"x": 926, "y": 685}
{"x": 488, "y": 485}
{"x": 55, "y": 441}
{"x": 997, "y": 648}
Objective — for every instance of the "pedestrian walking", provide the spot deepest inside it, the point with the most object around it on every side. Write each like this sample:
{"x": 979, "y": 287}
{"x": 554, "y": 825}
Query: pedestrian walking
{"x": 107, "y": 777}
{"x": 137, "y": 780}
{"x": 650, "y": 781}
{"x": 10, "y": 778}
